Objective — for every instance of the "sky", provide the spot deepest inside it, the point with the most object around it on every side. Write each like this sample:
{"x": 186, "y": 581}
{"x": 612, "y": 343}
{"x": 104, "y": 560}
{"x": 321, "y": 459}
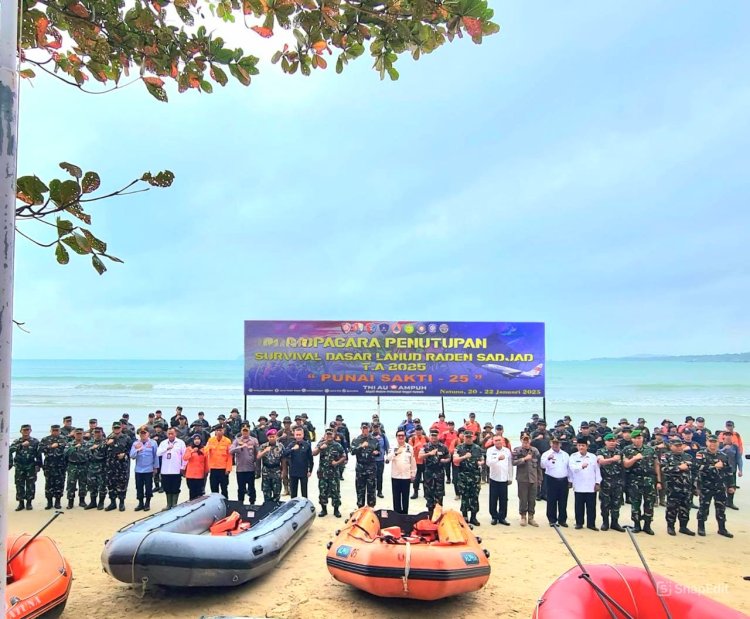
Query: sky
{"x": 586, "y": 167}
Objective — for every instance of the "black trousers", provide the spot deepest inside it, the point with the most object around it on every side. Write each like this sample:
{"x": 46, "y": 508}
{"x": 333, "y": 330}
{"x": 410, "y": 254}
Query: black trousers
{"x": 400, "y": 490}
{"x": 498, "y": 499}
{"x": 448, "y": 468}
{"x": 219, "y": 481}
{"x": 246, "y": 486}
{"x": 585, "y": 501}
{"x": 144, "y": 485}
{"x": 297, "y": 481}
{"x": 196, "y": 487}
{"x": 557, "y": 499}
{"x": 379, "y": 468}
{"x": 171, "y": 483}
{"x": 418, "y": 476}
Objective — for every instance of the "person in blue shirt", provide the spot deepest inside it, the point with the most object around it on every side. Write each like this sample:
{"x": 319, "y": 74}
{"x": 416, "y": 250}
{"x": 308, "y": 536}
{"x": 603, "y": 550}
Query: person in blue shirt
{"x": 377, "y": 433}
{"x": 143, "y": 452}
{"x": 408, "y": 425}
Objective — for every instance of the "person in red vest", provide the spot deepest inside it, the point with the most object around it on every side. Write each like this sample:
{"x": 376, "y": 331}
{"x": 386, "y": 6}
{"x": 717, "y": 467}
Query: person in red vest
{"x": 473, "y": 426}
{"x": 440, "y": 424}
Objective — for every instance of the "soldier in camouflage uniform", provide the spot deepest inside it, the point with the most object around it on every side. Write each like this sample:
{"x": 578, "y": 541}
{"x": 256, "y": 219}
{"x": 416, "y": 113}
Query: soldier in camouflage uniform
{"x": 331, "y": 457}
{"x": 26, "y": 456}
{"x": 118, "y": 466}
{"x": 365, "y": 448}
{"x": 644, "y": 479}
{"x": 469, "y": 458}
{"x": 53, "y": 447}
{"x": 610, "y": 492}
{"x": 234, "y": 425}
{"x": 677, "y": 469}
{"x": 77, "y": 458}
{"x": 66, "y": 431}
{"x": 96, "y": 476}
{"x": 713, "y": 478}
{"x": 271, "y": 456}
{"x": 435, "y": 456}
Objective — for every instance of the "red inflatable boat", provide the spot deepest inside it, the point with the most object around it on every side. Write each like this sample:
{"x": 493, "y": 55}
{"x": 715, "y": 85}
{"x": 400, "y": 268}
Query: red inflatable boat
{"x": 572, "y": 597}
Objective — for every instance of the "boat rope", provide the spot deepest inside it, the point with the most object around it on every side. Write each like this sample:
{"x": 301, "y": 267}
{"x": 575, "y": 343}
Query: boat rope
{"x": 407, "y": 567}
{"x": 650, "y": 574}
{"x": 144, "y": 579}
{"x": 627, "y": 584}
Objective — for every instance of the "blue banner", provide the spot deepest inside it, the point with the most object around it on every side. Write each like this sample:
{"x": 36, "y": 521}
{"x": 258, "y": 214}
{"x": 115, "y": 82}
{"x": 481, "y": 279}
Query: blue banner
{"x": 493, "y": 359}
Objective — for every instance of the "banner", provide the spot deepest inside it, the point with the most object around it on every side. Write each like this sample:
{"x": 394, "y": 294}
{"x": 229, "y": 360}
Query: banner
{"x": 493, "y": 359}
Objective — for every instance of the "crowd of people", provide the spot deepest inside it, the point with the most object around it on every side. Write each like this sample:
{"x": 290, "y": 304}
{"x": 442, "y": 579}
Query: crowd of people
{"x": 667, "y": 466}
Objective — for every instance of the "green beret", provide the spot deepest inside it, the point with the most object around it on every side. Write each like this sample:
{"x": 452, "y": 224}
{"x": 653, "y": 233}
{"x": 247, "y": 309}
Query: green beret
{"x": 713, "y": 438}
{"x": 609, "y": 436}
{"x": 635, "y": 434}
{"x": 116, "y": 424}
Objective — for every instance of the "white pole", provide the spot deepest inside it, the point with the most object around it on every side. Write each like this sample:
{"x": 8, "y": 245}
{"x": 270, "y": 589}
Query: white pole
{"x": 8, "y": 161}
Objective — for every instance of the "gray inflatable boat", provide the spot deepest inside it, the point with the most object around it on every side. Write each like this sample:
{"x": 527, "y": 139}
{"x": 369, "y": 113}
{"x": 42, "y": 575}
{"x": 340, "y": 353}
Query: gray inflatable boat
{"x": 174, "y": 548}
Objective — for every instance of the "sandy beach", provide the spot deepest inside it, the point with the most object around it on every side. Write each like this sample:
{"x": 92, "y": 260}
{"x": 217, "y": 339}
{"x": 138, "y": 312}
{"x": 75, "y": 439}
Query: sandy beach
{"x": 524, "y": 562}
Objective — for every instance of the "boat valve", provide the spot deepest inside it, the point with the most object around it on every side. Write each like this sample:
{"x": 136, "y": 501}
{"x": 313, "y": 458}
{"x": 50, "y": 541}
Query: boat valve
{"x": 486, "y": 553}
{"x": 328, "y": 545}
{"x": 479, "y": 539}
{"x": 337, "y": 531}
{"x": 294, "y": 526}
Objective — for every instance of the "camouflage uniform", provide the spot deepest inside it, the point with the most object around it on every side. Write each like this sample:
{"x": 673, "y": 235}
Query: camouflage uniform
{"x": 271, "y": 484}
{"x": 78, "y": 463}
{"x": 610, "y": 492}
{"x": 26, "y": 460}
{"x": 96, "y": 479}
{"x": 366, "y": 469}
{"x": 434, "y": 474}
{"x": 234, "y": 427}
{"x": 641, "y": 483}
{"x": 54, "y": 467}
{"x": 328, "y": 474}
{"x": 118, "y": 466}
{"x": 712, "y": 483}
{"x": 469, "y": 477}
{"x": 680, "y": 487}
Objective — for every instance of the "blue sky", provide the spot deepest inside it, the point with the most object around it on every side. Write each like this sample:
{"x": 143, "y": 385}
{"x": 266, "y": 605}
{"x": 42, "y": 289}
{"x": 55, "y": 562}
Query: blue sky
{"x": 587, "y": 167}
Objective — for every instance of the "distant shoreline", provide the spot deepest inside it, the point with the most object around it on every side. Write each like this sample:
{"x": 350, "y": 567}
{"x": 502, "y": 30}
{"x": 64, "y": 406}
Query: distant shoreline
{"x": 742, "y": 357}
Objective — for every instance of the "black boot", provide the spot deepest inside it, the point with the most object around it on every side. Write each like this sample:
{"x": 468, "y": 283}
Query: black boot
{"x": 28, "y": 505}
{"x": 474, "y": 520}
{"x": 49, "y": 504}
{"x": 723, "y": 531}
{"x": 323, "y": 511}
{"x": 139, "y": 507}
{"x": 82, "y": 501}
{"x": 730, "y": 502}
{"x": 336, "y": 512}
{"x": 415, "y": 494}
{"x": 637, "y": 525}
{"x": 71, "y": 503}
{"x": 605, "y": 521}
{"x": 57, "y": 503}
{"x": 647, "y": 526}
{"x": 685, "y": 531}
{"x": 147, "y": 504}
{"x": 100, "y": 505}
{"x": 671, "y": 531}
{"x": 112, "y": 506}
{"x": 92, "y": 505}
{"x": 122, "y": 505}
{"x": 702, "y": 528}
{"x": 20, "y": 507}
{"x": 615, "y": 525}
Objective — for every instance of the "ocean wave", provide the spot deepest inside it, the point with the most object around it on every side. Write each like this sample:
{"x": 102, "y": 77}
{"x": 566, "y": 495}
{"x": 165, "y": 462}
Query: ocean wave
{"x": 116, "y": 386}
{"x": 687, "y": 385}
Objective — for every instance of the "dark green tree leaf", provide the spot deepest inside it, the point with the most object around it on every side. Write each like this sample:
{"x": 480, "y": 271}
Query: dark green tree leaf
{"x": 90, "y": 182}
{"x": 61, "y": 254}
{"x": 30, "y": 190}
{"x": 71, "y": 169}
{"x": 98, "y": 264}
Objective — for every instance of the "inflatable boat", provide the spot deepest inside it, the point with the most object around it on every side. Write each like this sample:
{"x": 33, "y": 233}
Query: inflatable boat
{"x": 402, "y": 556}
{"x": 572, "y": 597}
{"x": 39, "y": 578}
{"x": 207, "y": 542}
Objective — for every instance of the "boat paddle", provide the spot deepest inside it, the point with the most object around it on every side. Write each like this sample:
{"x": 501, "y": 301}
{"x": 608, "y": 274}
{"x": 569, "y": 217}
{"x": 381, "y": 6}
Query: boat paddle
{"x": 49, "y": 522}
{"x": 648, "y": 571}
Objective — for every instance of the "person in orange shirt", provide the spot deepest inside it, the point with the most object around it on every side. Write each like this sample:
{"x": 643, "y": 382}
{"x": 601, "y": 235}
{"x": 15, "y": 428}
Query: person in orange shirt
{"x": 736, "y": 438}
{"x": 446, "y": 438}
{"x": 440, "y": 424}
{"x": 219, "y": 461}
{"x": 498, "y": 432}
{"x": 417, "y": 442}
{"x": 196, "y": 470}
{"x": 473, "y": 426}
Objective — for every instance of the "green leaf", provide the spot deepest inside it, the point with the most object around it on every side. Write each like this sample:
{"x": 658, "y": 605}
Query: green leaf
{"x": 30, "y": 190}
{"x": 156, "y": 91}
{"x": 96, "y": 243}
{"x": 357, "y": 49}
{"x": 65, "y": 193}
{"x": 72, "y": 241}
{"x": 340, "y": 64}
{"x": 276, "y": 57}
{"x": 392, "y": 73}
{"x": 64, "y": 226}
{"x": 206, "y": 86}
{"x": 162, "y": 179}
{"x": 71, "y": 169}
{"x": 90, "y": 182}
{"x": 301, "y": 38}
{"x": 223, "y": 55}
{"x": 218, "y": 75}
{"x": 61, "y": 254}
{"x": 98, "y": 264}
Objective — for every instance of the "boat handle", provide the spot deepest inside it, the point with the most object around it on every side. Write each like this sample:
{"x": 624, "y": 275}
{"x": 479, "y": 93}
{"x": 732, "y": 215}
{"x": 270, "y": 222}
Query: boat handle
{"x": 294, "y": 526}
{"x": 257, "y": 550}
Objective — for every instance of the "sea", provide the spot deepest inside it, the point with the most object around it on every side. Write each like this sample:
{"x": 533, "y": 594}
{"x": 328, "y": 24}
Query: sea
{"x": 43, "y": 391}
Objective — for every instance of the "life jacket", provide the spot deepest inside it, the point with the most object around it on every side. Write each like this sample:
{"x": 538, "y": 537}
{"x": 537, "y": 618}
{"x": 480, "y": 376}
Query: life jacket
{"x": 231, "y": 525}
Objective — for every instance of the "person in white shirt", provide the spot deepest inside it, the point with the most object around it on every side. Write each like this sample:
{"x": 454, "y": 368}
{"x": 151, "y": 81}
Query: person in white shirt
{"x": 403, "y": 470}
{"x": 555, "y": 465}
{"x": 585, "y": 476}
{"x": 500, "y": 462}
{"x": 171, "y": 452}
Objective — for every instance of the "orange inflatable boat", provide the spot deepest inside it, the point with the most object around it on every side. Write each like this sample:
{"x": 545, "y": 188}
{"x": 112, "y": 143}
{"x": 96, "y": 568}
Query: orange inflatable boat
{"x": 39, "y": 579}
{"x": 630, "y": 588}
{"x": 402, "y": 556}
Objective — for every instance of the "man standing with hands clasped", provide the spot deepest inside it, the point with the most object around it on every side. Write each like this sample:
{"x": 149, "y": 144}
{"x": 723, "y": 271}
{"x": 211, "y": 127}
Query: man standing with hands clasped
{"x": 172, "y": 464}
{"x": 365, "y": 448}
{"x": 555, "y": 464}
{"x": 469, "y": 459}
{"x": 585, "y": 477}
{"x": 500, "y": 463}
{"x": 300, "y": 462}
{"x": 143, "y": 452}
{"x": 245, "y": 449}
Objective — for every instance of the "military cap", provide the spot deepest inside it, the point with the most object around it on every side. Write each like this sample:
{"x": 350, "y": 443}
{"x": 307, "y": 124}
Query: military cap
{"x": 593, "y": 424}
{"x": 296, "y": 417}
{"x": 93, "y": 421}
{"x": 687, "y": 430}
{"x": 713, "y": 438}
{"x": 271, "y": 432}
{"x": 468, "y": 433}
{"x": 375, "y": 424}
{"x": 700, "y": 419}
{"x": 535, "y": 416}
{"x": 126, "y": 415}
{"x": 67, "y": 418}
{"x": 26, "y": 426}
{"x": 584, "y": 424}
{"x": 287, "y": 419}
{"x": 636, "y": 434}
{"x": 641, "y": 420}
{"x": 201, "y": 413}
{"x": 627, "y": 429}
{"x": 341, "y": 418}
{"x": 235, "y": 410}
{"x": 582, "y": 441}
{"x": 116, "y": 424}
{"x": 488, "y": 425}
{"x": 434, "y": 432}
{"x": 559, "y": 423}
{"x": 418, "y": 427}
{"x": 98, "y": 429}
{"x": 223, "y": 418}
{"x": 609, "y": 437}
{"x": 262, "y": 418}
{"x": 525, "y": 437}
{"x": 417, "y": 421}
{"x": 602, "y": 420}
{"x": 303, "y": 415}
{"x": 729, "y": 423}
{"x": 332, "y": 425}
{"x": 566, "y": 417}
{"x": 272, "y": 414}
{"x": 78, "y": 431}
{"x": 623, "y": 420}
{"x": 364, "y": 424}
{"x": 541, "y": 422}
{"x": 689, "y": 418}
{"x": 152, "y": 415}
{"x": 329, "y": 430}
{"x": 55, "y": 426}
{"x": 676, "y": 441}
{"x": 472, "y": 415}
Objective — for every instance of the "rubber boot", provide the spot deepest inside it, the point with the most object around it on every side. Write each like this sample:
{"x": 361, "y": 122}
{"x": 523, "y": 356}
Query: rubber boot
{"x": 637, "y": 525}
{"x": 730, "y": 502}
{"x": 723, "y": 531}
{"x": 112, "y": 506}
{"x": 474, "y": 520}
{"x": 147, "y": 504}
{"x": 336, "y": 512}
{"x": 702, "y": 528}
{"x": 28, "y": 505}
{"x": 685, "y": 531}
{"x": 671, "y": 531}
{"x": 49, "y": 504}
{"x": 605, "y": 521}
{"x": 71, "y": 503}
{"x": 122, "y": 505}
{"x": 100, "y": 505}
{"x": 323, "y": 511}
{"x": 20, "y": 507}
{"x": 82, "y": 500}
{"x": 57, "y": 503}
{"x": 415, "y": 494}
{"x": 92, "y": 505}
{"x": 647, "y": 526}
{"x": 139, "y": 507}
{"x": 615, "y": 525}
